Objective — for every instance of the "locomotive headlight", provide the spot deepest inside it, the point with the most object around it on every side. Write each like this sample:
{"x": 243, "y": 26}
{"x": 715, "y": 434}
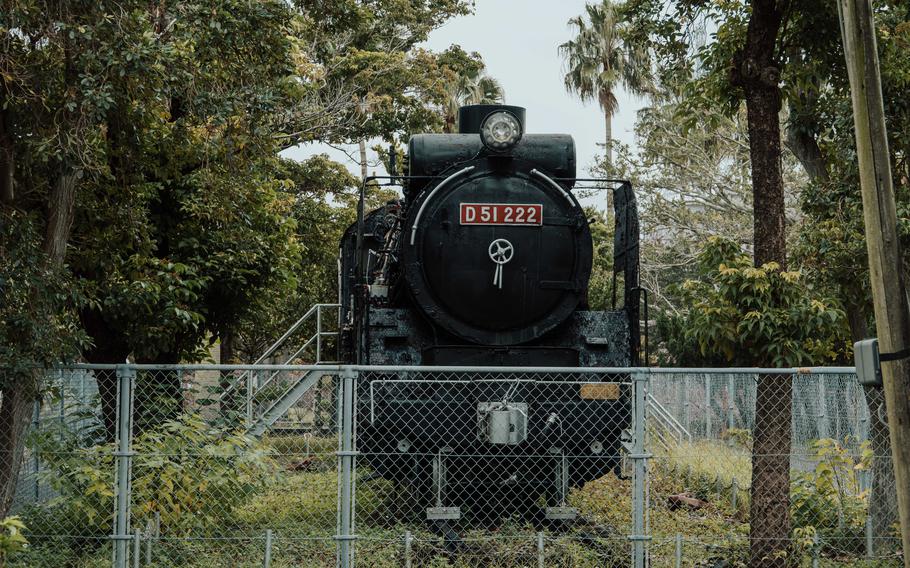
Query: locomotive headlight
{"x": 500, "y": 131}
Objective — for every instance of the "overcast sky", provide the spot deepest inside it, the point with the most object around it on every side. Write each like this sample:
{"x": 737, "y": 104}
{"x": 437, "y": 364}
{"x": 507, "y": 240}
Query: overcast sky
{"x": 518, "y": 41}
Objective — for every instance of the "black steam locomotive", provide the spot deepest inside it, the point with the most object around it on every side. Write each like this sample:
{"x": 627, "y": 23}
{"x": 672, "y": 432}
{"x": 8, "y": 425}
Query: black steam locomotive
{"x": 485, "y": 263}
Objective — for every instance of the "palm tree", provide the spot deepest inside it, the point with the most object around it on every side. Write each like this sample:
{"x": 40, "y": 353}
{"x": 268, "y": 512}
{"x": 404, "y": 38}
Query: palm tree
{"x": 473, "y": 88}
{"x": 599, "y": 60}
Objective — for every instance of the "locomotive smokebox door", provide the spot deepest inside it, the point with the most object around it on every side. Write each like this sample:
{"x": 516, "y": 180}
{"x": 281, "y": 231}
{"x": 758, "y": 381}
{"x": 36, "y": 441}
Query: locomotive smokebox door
{"x": 497, "y": 258}
{"x": 502, "y": 423}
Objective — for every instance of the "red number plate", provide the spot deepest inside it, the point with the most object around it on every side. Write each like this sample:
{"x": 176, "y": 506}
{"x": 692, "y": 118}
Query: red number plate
{"x": 501, "y": 214}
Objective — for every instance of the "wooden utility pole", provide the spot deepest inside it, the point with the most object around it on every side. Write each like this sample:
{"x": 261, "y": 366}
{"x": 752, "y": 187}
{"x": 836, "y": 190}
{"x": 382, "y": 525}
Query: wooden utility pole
{"x": 892, "y": 313}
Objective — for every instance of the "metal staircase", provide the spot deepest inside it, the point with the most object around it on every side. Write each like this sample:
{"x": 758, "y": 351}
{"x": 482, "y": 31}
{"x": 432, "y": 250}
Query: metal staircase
{"x": 257, "y": 384}
{"x": 282, "y": 404}
{"x": 665, "y": 428}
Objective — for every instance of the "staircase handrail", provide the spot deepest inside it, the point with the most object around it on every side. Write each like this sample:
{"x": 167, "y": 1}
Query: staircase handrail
{"x": 247, "y": 375}
{"x": 668, "y": 418}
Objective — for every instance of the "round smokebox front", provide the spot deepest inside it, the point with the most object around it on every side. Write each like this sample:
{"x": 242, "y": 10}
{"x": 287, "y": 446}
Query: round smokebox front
{"x": 497, "y": 259}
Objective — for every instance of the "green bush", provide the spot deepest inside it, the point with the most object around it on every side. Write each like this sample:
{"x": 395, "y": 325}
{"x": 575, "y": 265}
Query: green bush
{"x": 192, "y": 475}
{"x": 827, "y": 501}
{"x": 739, "y": 314}
{"x": 11, "y": 538}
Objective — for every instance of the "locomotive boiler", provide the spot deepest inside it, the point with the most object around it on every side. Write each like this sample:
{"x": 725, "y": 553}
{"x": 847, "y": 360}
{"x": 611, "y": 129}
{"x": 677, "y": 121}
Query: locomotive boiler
{"x": 484, "y": 262}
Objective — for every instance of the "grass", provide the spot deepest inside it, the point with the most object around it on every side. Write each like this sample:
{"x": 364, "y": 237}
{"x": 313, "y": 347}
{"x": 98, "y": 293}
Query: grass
{"x": 300, "y": 509}
{"x": 712, "y": 459}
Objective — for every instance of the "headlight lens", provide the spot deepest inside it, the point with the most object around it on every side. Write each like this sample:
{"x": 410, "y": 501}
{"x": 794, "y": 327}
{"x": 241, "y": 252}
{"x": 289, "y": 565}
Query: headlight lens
{"x": 500, "y": 131}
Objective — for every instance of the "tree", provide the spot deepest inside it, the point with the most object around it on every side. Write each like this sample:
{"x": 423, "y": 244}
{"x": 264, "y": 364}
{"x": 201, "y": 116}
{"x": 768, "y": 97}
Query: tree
{"x": 746, "y": 64}
{"x": 790, "y": 52}
{"x": 354, "y": 52}
{"x": 600, "y": 284}
{"x": 599, "y": 60}
{"x": 470, "y": 87}
{"x": 37, "y": 328}
{"x": 735, "y": 313}
{"x": 184, "y": 222}
{"x": 691, "y": 176}
{"x": 59, "y": 70}
{"x": 140, "y": 141}
{"x": 323, "y": 206}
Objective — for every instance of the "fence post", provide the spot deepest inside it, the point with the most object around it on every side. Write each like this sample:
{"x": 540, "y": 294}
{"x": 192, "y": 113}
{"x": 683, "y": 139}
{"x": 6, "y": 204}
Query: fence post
{"x": 822, "y": 408}
{"x": 36, "y": 426}
{"x": 248, "y": 403}
{"x": 318, "y": 333}
{"x": 639, "y": 457}
{"x": 540, "y": 551}
{"x": 267, "y": 562}
{"x": 679, "y": 550}
{"x": 137, "y": 546}
{"x": 126, "y": 378}
{"x": 708, "y": 409}
{"x": 407, "y": 549}
{"x": 149, "y": 535}
{"x": 685, "y": 403}
{"x": 731, "y": 392}
{"x": 346, "y": 456}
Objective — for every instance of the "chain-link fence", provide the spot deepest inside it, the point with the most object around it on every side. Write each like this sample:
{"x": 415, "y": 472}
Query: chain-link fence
{"x": 841, "y": 484}
{"x": 204, "y": 466}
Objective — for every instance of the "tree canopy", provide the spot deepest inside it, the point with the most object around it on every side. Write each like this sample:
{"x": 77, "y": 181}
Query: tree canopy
{"x": 145, "y": 208}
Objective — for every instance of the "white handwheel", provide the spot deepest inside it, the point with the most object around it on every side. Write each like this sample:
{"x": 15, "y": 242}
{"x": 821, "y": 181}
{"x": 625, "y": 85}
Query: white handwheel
{"x": 500, "y": 252}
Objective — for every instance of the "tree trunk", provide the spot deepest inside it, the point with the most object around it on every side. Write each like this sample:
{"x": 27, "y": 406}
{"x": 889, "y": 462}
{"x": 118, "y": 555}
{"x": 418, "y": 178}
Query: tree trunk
{"x": 755, "y": 71}
{"x": 608, "y": 142}
{"x": 856, "y": 319}
{"x": 767, "y": 182}
{"x": 363, "y": 160}
{"x": 807, "y": 151}
{"x": 15, "y": 411}
{"x": 7, "y": 160}
{"x": 60, "y": 217}
{"x": 108, "y": 347}
{"x": 18, "y": 400}
{"x": 226, "y": 355}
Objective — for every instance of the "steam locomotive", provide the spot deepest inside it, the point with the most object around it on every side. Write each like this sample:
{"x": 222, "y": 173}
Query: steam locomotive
{"x": 485, "y": 262}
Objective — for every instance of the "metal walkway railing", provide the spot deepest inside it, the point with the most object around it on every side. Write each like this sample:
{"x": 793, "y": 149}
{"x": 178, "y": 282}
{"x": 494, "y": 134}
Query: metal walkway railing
{"x": 250, "y": 380}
